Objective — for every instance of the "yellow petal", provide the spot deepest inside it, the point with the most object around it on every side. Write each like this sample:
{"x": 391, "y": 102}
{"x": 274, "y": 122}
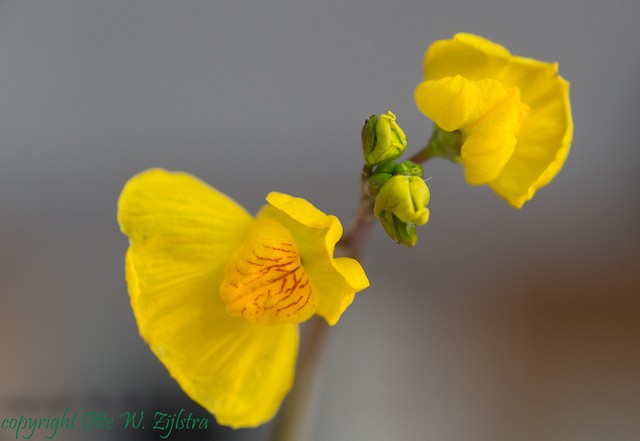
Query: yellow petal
{"x": 485, "y": 112}
{"x": 476, "y": 58}
{"x": 490, "y": 142}
{"x": 543, "y": 145}
{"x": 544, "y": 137}
{"x": 316, "y": 234}
{"x": 265, "y": 282}
{"x": 468, "y": 55}
{"x": 454, "y": 102}
{"x": 533, "y": 78}
{"x": 238, "y": 371}
{"x": 181, "y": 232}
{"x": 176, "y": 217}
{"x": 158, "y": 208}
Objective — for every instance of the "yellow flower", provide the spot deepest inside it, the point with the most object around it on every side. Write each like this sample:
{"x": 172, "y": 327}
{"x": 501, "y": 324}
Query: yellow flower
{"x": 513, "y": 113}
{"x": 218, "y": 294}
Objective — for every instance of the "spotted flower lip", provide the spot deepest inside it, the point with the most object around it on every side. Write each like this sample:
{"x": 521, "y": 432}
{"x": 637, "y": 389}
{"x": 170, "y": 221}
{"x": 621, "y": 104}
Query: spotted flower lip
{"x": 514, "y": 113}
{"x": 217, "y": 294}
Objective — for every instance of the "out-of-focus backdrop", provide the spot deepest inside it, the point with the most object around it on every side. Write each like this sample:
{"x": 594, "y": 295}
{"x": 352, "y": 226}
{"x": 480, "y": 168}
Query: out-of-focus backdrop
{"x": 500, "y": 325}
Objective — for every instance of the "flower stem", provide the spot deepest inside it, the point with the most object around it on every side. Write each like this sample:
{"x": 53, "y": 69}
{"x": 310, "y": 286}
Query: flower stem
{"x": 294, "y": 421}
{"x": 353, "y": 242}
{"x": 441, "y": 144}
{"x": 422, "y": 156}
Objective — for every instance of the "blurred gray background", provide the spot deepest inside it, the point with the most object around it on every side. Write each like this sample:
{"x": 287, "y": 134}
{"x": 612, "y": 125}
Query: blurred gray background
{"x": 500, "y": 325}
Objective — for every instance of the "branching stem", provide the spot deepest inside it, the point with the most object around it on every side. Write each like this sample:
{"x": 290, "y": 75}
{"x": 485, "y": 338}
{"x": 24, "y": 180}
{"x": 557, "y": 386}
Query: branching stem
{"x": 295, "y": 416}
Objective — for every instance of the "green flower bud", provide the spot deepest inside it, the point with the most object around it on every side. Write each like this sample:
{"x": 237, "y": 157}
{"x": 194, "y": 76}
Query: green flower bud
{"x": 406, "y": 197}
{"x": 382, "y": 139}
{"x": 401, "y": 204}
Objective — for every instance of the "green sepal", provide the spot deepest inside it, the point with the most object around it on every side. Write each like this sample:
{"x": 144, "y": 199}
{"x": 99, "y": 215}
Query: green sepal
{"x": 409, "y": 168}
{"x": 445, "y": 144}
{"x": 400, "y": 232}
{"x": 376, "y": 181}
{"x": 388, "y": 167}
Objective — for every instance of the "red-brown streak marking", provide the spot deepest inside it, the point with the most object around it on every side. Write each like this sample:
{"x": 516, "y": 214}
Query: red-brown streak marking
{"x": 284, "y": 250}
{"x": 264, "y": 265}
{"x": 305, "y": 303}
{"x": 293, "y": 304}
{"x": 250, "y": 289}
{"x": 263, "y": 271}
{"x": 275, "y": 259}
{"x": 291, "y": 290}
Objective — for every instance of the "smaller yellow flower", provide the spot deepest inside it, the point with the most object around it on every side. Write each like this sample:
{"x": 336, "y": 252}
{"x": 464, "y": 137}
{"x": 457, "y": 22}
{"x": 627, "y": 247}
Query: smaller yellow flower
{"x": 513, "y": 113}
{"x": 218, "y": 294}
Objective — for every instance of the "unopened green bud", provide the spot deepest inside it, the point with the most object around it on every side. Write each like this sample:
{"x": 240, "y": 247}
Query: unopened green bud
{"x": 409, "y": 168}
{"x": 382, "y": 139}
{"x": 401, "y": 204}
{"x": 406, "y": 197}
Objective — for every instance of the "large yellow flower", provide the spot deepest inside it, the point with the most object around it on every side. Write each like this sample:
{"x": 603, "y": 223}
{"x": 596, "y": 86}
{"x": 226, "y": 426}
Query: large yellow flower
{"x": 218, "y": 294}
{"x": 513, "y": 113}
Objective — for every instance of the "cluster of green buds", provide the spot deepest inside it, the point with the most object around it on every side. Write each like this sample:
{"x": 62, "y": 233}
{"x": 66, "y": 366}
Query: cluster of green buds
{"x": 400, "y": 192}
